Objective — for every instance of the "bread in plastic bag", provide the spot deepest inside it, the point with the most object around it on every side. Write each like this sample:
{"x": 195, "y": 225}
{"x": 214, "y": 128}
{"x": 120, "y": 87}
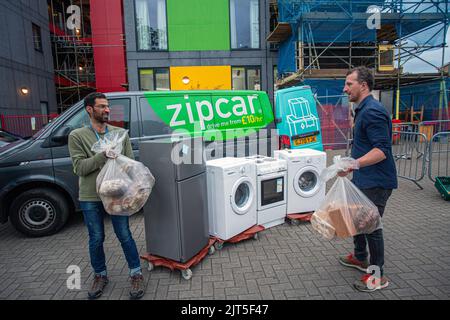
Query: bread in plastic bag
{"x": 346, "y": 211}
{"x": 123, "y": 184}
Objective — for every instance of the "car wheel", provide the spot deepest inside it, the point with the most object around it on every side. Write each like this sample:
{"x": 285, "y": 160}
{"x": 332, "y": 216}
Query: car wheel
{"x": 39, "y": 212}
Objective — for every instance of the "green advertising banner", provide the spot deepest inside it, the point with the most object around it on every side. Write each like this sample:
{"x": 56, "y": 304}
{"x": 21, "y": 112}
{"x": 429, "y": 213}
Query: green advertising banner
{"x": 219, "y": 114}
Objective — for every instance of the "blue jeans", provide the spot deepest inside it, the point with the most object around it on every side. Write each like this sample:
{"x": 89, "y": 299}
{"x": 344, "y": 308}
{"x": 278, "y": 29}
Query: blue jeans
{"x": 94, "y": 212}
{"x": 375, "y": 240}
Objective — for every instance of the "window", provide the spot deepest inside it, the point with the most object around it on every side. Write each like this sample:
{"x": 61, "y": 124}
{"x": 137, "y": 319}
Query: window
{"x": 156, "y": 79}
{"x": 152, "y": 125}
{"x": 6, "y": 138}
{"x": 253, "y": 79}
{"x": 238, "y": 79}
{"x": 246, "y": 78}
{"x": 151, "y": 27}
{"x": 244, "y": 24}
{"x": 37, "y": 39}
{"x": 119, "y": 115}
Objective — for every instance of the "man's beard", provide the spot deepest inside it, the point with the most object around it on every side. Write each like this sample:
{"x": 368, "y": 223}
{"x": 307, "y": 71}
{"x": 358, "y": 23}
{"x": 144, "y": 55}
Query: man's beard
{"x": 101, "y": 118}
{"x": 353, "y": 98}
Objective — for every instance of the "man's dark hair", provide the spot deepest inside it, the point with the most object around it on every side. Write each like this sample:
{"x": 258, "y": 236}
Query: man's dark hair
{"x": 89, "y": 100}
{"x": 364, "y": 75}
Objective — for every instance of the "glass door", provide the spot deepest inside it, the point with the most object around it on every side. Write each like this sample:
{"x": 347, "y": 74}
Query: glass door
{"x": 272, "y": 191}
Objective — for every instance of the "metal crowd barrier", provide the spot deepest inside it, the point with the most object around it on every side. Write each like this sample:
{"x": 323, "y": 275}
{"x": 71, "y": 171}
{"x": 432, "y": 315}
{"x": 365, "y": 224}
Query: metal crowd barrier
{"x": 420, "y": 148}
{"x": 434, "y": 126}
{"x": 439, "y": 155}
{"x": 406, "y": 127}
{"x": 408, "y": 150}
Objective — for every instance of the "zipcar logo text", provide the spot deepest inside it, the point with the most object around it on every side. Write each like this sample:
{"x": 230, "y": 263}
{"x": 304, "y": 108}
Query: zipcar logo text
{"x": 224, "y": 108}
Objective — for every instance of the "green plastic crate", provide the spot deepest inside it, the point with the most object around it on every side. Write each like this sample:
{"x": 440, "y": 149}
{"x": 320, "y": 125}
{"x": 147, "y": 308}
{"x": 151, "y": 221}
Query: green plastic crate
{"x": 443, "y": 185}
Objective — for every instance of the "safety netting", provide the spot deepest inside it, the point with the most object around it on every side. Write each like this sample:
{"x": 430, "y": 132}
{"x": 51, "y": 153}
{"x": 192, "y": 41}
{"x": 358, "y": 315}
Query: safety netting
{"x": 334, "y": 112}
{"x": 433, "y": 97}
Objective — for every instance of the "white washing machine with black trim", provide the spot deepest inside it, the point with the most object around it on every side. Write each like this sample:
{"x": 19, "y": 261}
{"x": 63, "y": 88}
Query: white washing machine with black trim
{"x": 231, "y": 196}
{"x": 305, "y": 191}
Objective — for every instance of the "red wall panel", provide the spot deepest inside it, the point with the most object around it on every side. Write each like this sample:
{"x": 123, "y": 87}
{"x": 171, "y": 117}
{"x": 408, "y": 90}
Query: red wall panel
{"x": 109, "y": 44}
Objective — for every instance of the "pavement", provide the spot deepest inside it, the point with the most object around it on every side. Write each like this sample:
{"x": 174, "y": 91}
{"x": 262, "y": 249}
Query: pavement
{"x": 285, "y": 262}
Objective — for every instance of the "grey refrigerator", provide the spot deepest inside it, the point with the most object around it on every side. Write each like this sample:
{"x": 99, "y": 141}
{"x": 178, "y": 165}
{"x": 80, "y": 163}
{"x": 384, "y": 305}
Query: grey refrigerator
{"x": 176, "y": 214}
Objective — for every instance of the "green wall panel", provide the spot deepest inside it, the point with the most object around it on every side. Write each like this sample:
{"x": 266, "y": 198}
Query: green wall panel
{"x": 198, "y": 25}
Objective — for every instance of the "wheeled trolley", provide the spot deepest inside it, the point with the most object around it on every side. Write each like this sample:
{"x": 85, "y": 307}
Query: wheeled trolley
{"x": 247, "y": 234}
{"x": 296, "y": 218}
{"x": 185, "y": 268}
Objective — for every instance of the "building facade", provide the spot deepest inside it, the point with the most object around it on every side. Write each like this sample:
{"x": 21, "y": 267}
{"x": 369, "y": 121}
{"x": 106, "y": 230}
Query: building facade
{"x": 198, "y": 44}
{"x": 26, "y": 65}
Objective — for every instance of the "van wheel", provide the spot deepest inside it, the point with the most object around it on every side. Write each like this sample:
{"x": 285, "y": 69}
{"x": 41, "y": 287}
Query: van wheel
{"x": 39, "y": 212}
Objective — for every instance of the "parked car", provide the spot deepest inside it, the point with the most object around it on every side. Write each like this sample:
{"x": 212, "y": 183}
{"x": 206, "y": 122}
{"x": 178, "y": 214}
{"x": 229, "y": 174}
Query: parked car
{"x": 38, "y": 189}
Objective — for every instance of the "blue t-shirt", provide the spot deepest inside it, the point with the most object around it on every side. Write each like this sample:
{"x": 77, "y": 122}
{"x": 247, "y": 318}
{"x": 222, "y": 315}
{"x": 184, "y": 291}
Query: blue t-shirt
{"x": 373, "y": 129}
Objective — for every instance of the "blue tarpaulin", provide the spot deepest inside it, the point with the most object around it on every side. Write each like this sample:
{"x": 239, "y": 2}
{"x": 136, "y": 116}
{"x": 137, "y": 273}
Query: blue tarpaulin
{"x": 426, "y": 94}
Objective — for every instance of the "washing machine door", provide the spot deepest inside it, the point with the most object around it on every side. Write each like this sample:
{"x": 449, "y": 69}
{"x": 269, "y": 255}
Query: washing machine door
{"x": 242, "y": 196}
{"x": 306, "y": 182}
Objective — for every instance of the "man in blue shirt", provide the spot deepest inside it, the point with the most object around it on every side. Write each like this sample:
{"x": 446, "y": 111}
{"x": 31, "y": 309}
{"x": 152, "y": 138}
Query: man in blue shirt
{"x": 376, "y": 177}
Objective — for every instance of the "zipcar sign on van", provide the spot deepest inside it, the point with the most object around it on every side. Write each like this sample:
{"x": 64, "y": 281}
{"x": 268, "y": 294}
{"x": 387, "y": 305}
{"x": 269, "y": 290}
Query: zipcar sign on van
{"x": 231, "y": 113}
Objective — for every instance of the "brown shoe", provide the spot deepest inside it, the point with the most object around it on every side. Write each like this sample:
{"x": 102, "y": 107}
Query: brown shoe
{"x": 351, "y": 261}
{"x": 98, "y": 286}
{"x": 137, "y": 286}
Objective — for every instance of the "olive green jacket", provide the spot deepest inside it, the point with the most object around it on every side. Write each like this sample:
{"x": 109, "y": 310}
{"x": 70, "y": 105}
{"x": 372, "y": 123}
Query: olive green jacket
{"x": 86, "y": 163}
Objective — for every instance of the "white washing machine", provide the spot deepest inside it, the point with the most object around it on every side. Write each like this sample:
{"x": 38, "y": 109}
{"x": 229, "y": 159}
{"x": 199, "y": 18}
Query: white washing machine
{"x": 271, "y": 176}
{"x": 231, "y": 196}
{"x": 305, "y": 191}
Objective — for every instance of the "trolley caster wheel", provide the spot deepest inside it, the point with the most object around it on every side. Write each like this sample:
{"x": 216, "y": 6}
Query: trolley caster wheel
{"x": 150, "y": 266}
{"x": 295, "y": 222}
{"x": 211, "y": 250}
{"x": 186, "y": 274}
{"x": 218, "y": 245}
{"x": 255, "y": 236}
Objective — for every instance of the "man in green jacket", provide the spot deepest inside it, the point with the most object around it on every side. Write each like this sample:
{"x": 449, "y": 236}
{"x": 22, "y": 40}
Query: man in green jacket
{"x": 87, "y": 165}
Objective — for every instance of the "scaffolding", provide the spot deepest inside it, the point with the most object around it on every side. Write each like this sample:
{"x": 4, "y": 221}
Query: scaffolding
{"x": 323, "y": 39}
{"x": 72, "y": 48}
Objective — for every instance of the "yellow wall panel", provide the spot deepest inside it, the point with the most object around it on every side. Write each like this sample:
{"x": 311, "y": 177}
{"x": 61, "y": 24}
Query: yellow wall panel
{"x": 200, "y": 78}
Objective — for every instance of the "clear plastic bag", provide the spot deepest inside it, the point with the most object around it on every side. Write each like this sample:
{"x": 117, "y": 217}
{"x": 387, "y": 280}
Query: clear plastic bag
{"x": 346, "y": 211}
{"x": 339, "y": 164}
{"x": 123, "y": 184}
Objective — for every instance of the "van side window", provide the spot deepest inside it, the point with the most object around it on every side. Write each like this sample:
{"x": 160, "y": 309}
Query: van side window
{"x": 119, "y": 115}
{"x": 152, "y": 125}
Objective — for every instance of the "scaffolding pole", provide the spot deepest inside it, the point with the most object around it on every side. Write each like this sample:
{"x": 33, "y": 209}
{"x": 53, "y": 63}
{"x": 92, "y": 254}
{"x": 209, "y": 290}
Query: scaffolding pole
{"x": 397, "y": 105}
{"x": 443, "y": 103}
